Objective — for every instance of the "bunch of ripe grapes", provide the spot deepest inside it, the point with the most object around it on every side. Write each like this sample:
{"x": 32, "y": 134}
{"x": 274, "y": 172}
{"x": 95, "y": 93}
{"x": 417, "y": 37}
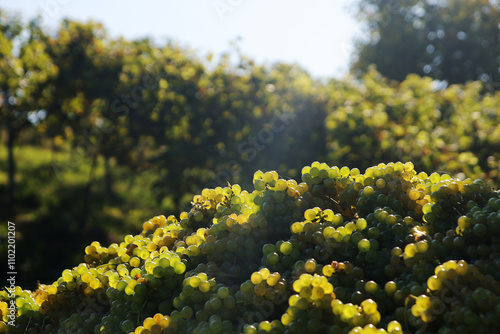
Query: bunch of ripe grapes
{"x": 389, "y": 250}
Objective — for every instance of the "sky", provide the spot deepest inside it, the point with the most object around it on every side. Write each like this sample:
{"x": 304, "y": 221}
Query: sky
{"x": 317, "y": 34}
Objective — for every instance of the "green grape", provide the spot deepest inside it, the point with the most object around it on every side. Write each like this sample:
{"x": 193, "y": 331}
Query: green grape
{"x": 264, "y": 272}
{"x": 361, "y": 224}
{"x": 364, "y": 245}
{"x": 273, "y": 279}
{"x": 464, "y": 222}
{"x": 281, "y": 185}
{"x": 204, "y": 286}
{"x": 67, "y": 277}
{"x": 249, "y": 259}
{"x": 268, "y": 248}
{"x": 310, "y": 265}
{"x": 371, "y": 287}
{"x": 434, "y": 283}
{"x": 259, "y": 185}
{"x": 422, "y": 246}
{"x": 198, "y": 216}
{"x": 369, "y": 306}
{"x": 286, "y": 248}
{"x": 268, "y": 177}
{"x": 394, "y": 327}
{"x": 135, "y": 262}
{"x": 344, "y": 171}
{"x": 380, "y": 183}
{"x": 411, "y": 250}
{"x": 390, "y": 287}
{"x": 256, "y": 278}
{"x": 427, "y": 208}
{"x": 423, "y": 302}
{"x": 273, "y": 258}
{"x": 310, "y": 214}
{"x": 223, "y": 292}
{"x": 179, "y": 268}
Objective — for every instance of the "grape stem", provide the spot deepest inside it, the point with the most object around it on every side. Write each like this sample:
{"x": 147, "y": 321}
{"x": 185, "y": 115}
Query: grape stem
{"x": 28, "y": 324}
{"x": 43, "y": 323}
{"x": 406, "y": 309}
{"x": 140, "y": 310}
{"x": 105, "y": 264}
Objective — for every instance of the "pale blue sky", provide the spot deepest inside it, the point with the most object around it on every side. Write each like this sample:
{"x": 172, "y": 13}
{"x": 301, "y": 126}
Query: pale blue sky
{"x": 317, "y": 34}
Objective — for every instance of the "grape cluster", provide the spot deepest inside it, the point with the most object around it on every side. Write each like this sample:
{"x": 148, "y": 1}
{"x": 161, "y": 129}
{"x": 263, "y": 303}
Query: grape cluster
{"x": 461, "y": 299}
{"x": 384, "y": 251}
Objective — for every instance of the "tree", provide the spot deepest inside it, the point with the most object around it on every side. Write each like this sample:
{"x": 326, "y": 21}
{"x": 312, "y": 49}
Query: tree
{"x": 160, "y": 97}
{"x": 25, "y": 69}
{"x": 452, "y": 40}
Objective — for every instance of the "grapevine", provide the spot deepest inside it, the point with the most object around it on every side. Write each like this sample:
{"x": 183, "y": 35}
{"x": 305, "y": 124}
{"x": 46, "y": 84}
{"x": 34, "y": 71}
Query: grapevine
{"x": 390, "y": 250}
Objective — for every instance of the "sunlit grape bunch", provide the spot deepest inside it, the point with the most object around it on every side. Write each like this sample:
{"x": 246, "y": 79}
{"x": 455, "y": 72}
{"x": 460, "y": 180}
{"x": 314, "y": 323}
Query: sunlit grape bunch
{"x": 390, "y": 250}
{"x": 459, "y": 296}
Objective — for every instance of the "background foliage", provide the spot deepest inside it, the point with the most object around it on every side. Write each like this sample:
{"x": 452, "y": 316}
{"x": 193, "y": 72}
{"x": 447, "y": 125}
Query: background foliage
{"x": 451, "y": 40}
{"x": 101, "y": 134}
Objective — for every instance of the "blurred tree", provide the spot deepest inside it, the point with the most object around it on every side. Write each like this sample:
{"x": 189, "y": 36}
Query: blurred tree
{"x": 25, "y": 69}
{"x": 156, "y": 100}
{"x": 456, "y": 129}
{"x": 452, "y": 40}
{"x": 85, "y": 87}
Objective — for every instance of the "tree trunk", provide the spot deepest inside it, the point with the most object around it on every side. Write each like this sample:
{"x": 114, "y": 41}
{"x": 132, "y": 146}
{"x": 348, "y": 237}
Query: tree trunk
{"x": 11, "y": 163}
